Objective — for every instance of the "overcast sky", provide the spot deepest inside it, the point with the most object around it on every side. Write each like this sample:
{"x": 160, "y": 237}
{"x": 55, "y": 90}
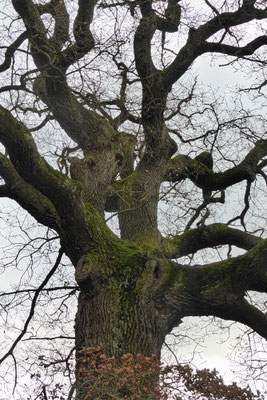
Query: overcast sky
{"x": 213, "y": 351}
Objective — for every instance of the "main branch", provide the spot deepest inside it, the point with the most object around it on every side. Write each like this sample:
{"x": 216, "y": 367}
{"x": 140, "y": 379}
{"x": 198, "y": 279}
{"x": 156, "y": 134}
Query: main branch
{"x": 217, "y": 289}
{"x": 182, "y": 167}
{"x": 203, "y": 237}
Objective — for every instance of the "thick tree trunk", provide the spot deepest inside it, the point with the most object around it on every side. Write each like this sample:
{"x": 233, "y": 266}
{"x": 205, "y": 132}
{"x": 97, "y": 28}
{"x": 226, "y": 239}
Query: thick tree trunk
{"x": 116, "y": 308}
{"x": 132, "y": 296}
{"x": 120, "y": 324}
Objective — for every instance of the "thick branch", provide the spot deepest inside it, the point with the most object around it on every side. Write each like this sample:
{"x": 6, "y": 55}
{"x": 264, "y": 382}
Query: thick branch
{"x": 171, "y": 19}
{"x": 197, "y": 40}
{"x": 142, "y": 46}
{"x": 237, "y": 51}
{"x": 61, "y": 17}
{"x": 80, "y": 124}
{"x": 145, "y": 31}
{"x": 41, "y": 49}
{"x": 217, "y": 289}
{"x": 251, "y": 316}
{"x": 11, "y": 51}
{"x": 31, "y": 166}
{"x": 5, "y": 191}
{"x": 27, "y": 196}
{"x": 79, "y": 224}
{"x": 85, "y": 127}
{"x": 44, "y": 50}
{"x": 244, "y": 14}
{"x": 208, "y": 236}
{"x": 154, "y": 93}
{"x": 182, "y": 167}
{"x": 83, "y": 36}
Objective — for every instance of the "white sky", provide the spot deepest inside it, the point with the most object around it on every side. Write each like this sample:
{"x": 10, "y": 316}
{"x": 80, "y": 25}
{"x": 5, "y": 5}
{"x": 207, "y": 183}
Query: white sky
{"x": 213, "y": 352}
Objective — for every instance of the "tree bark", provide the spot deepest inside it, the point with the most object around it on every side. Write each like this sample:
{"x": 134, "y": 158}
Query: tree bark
{"x": 116, "y": 307}
{"x": 132, "y": 292}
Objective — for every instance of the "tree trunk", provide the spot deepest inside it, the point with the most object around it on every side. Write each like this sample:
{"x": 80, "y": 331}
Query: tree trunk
{"x": 116, "y": 308}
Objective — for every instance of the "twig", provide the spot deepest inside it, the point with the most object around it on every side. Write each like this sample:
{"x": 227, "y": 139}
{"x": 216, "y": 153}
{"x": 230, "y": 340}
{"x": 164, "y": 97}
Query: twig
{"x": 34, "y": 301}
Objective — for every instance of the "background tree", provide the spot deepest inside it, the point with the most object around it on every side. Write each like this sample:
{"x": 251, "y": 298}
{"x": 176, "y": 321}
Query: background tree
{"x": 101, "y": 115}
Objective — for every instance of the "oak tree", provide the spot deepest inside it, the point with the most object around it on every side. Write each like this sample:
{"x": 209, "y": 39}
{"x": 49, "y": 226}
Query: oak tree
{"x": 102, "y": 118}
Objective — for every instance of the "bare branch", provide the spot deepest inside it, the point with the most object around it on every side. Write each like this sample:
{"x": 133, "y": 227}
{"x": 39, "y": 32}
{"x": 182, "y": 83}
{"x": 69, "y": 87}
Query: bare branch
{"x": 203, "y": 237}
{"x": 61, "y": 30}
{"x": 182, "y": 167}
{"x": 197, "y": 40}
{"x": 33, "y": 305}
{"x": 237, "y": 51}
{"x": 27, "y": 161}
{"x": 11, "y": 51}
{"x": 219, "y": 288}
{"x": 26, "y": 195}
{"x": 245, "y": 210}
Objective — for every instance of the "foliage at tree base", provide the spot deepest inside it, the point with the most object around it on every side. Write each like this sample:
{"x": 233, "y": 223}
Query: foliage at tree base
{"x": 136, "y": 377}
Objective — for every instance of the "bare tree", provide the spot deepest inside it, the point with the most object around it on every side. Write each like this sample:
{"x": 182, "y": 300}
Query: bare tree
{"x": 101, "y": 118}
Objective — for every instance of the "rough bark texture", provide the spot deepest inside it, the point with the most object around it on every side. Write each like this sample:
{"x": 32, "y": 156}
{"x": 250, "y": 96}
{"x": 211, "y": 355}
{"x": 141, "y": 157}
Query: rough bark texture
{"x": 132, "y": 292}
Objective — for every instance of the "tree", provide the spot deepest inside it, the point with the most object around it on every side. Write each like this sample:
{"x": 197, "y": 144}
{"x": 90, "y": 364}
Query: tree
{"x": 126, "y": 146}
